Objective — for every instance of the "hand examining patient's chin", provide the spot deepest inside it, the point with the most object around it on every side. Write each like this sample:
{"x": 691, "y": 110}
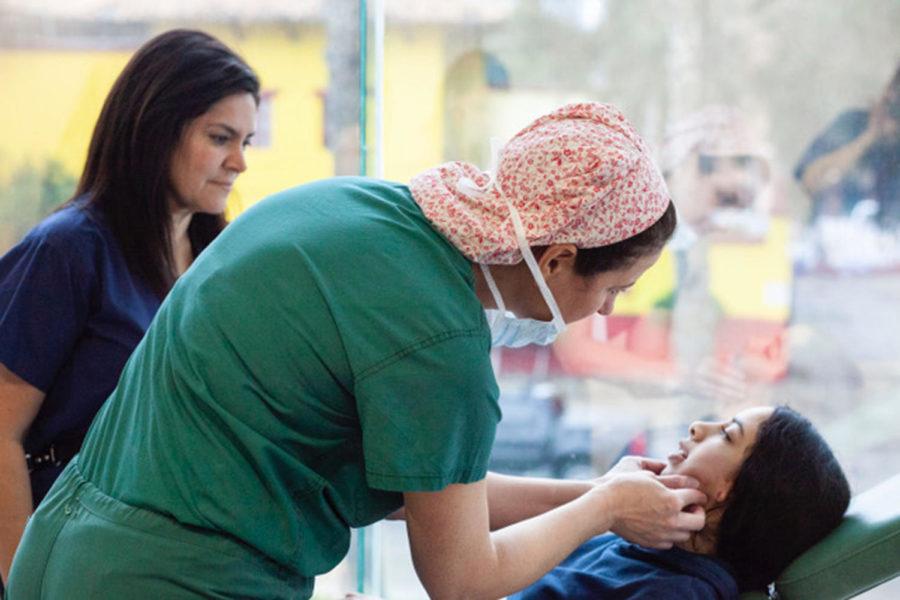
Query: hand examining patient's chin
{"x": 632, "y": 464}
{"x": 652, "y": 510}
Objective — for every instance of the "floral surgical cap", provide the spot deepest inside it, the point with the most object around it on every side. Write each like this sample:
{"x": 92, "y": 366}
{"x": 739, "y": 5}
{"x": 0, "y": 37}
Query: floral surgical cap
{"x": 579, "y": 175}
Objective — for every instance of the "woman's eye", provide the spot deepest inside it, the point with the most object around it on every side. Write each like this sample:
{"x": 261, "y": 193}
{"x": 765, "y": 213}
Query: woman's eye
{"x": 247, "y": 143}
{"x": 219, "y": 139}
{"x": 725, "y": 435}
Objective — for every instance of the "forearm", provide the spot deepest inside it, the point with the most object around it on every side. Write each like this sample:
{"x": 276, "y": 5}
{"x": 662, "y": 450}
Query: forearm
{"x": 15, "y": 501}
{"x": 528, "y": 550}
{"x": 514, "y": 499}
{"x": 831, "y": 168}
{"x": 512, "y": 558}
{"x": 456, "y": 556}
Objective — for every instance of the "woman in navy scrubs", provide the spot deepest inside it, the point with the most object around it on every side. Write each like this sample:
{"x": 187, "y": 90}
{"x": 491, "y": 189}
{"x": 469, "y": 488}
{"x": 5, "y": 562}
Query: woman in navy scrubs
{"x": 79, "y": 291}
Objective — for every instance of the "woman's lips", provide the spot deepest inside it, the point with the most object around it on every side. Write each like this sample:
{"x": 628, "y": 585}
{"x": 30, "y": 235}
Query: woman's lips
{"x": 676, "y": 458}
{"x": 680, "y": 455}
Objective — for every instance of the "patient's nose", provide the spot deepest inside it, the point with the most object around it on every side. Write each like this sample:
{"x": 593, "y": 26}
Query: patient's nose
{"x": 698, "y": 430}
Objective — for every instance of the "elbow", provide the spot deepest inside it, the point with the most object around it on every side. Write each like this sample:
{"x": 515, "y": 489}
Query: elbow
{"x": 461, "y": 594}
{"x": 464, "y": 584}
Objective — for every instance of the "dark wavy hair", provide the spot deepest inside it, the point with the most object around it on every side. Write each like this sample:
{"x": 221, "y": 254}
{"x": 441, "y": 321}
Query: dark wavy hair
{"x": 592, "y": 261}
{"x": 789, "y": 493}
{"x": 172, "y": 79}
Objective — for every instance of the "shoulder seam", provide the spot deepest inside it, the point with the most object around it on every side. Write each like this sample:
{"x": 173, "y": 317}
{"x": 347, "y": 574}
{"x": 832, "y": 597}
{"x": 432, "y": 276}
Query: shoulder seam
{"x": 60, "y": 234}
{"x": 420, "y": 345}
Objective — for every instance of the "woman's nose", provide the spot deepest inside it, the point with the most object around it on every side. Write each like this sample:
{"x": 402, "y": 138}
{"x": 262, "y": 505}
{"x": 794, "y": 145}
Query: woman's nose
{"x": 236, "y": 161}
{"x": 608, "y": 305}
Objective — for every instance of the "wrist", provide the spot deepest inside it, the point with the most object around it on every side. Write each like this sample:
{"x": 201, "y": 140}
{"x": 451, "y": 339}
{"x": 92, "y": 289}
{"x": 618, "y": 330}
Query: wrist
{"x": 573, "y": 489}
{"x": 603, "y": 494}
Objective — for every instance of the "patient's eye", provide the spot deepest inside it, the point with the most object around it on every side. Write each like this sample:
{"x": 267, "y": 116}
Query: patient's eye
{"x": 725, "y": 433}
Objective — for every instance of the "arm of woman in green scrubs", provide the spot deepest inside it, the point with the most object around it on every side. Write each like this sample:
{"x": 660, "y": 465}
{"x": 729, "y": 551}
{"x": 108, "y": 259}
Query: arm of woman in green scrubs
{"x": 19, "y": 405}
{"x": 512, "y": 498}
{"x": 456, "y": 555}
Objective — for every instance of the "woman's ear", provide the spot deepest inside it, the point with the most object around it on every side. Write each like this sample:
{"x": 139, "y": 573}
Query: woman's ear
{"x": 556, "y": 257}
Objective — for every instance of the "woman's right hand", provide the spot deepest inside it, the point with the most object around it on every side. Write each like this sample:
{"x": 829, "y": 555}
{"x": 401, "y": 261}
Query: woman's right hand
{"x": 652, "y": 510}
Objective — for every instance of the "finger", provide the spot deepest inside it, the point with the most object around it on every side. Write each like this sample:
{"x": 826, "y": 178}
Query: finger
{"x": 632, "y": 461}
{"x": 679, "y": 536}
{"x": 653, "y": 465}
{"x": 694, "y": 509}
{"x": 678, "y": 481}
{"x": 690, "y": 521}
{"x": 661, "y": 545}
{"x": 688, "y": 496}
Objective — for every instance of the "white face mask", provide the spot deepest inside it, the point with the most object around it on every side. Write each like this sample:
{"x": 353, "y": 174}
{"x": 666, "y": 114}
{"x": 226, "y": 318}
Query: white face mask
{"x": 509, "y": 330}
{"x": 512, "y": 332}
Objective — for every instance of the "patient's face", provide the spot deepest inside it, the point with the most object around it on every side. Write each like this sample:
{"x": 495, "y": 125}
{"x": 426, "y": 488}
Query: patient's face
{"x": 715, "y": 450}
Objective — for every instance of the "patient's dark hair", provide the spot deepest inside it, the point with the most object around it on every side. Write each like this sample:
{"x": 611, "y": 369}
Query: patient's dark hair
{"x": 789, "y": 493}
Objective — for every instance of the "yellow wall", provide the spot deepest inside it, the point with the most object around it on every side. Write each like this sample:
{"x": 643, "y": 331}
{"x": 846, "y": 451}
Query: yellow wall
{"x": 753, "y": 281}
{"x": 51, "y": 99}
{"x": 413, "y": 102}
{"x": 294, "y": 68}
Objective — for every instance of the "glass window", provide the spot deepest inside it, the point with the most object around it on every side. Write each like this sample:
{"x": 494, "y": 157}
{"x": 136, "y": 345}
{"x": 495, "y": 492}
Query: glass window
{"x": 771, "y": 292}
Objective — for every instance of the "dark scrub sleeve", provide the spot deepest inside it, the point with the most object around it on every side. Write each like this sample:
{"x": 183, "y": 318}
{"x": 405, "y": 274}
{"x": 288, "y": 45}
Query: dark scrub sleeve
{"x": 44, "y": 304}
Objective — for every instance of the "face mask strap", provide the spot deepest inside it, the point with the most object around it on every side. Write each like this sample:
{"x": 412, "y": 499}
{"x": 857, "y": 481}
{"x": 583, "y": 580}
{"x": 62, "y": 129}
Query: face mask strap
{"x": 535, "y": 269}
{"x": 470, "y": 188}
{"x": 492, "y": 285}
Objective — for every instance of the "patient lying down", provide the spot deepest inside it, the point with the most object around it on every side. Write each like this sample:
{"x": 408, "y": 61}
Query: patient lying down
{"x": 774, "y": 489}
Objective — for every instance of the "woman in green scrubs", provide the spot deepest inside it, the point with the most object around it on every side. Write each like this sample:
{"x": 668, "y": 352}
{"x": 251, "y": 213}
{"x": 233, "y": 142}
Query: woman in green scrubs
{"x": 326, "y": 361}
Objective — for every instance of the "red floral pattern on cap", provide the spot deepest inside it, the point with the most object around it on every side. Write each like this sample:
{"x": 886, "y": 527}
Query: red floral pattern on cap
{"x": 579, "y": 175}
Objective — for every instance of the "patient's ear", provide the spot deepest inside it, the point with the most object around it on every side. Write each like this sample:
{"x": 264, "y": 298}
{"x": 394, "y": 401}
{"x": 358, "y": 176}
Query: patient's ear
{"x": 722, "y": 491}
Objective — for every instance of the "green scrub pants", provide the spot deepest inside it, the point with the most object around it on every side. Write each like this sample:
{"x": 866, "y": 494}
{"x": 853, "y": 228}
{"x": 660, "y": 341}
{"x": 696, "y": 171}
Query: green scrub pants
{"x": 83, "y": 544}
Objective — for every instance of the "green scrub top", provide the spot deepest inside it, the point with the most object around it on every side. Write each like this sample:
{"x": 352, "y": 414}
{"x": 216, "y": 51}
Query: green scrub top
{"x": 326, "y": 353}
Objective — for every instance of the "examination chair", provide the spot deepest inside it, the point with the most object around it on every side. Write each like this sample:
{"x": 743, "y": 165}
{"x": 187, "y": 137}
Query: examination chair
{"x": 862, "y": 553}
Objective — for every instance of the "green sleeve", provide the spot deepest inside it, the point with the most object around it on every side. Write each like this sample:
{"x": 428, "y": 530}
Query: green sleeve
{"x": 429, "y": 414}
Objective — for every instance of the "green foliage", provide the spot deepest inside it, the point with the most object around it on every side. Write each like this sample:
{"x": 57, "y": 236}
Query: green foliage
{"x": 32, "y": 193}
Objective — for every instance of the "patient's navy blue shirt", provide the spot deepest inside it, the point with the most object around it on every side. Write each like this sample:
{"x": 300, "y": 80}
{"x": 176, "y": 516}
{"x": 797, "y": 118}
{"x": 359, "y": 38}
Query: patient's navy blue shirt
{"x": 71, "y": 313}
{"x": 611, "y": 568}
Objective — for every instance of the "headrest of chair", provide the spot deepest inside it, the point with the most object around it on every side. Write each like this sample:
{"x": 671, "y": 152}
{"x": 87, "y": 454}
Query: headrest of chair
{"x": 863, "y": 552}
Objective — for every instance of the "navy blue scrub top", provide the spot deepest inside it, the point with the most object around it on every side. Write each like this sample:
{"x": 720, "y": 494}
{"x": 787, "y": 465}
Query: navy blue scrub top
{"x": 71, "y": 313}
{"x": 611, "y": 568}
